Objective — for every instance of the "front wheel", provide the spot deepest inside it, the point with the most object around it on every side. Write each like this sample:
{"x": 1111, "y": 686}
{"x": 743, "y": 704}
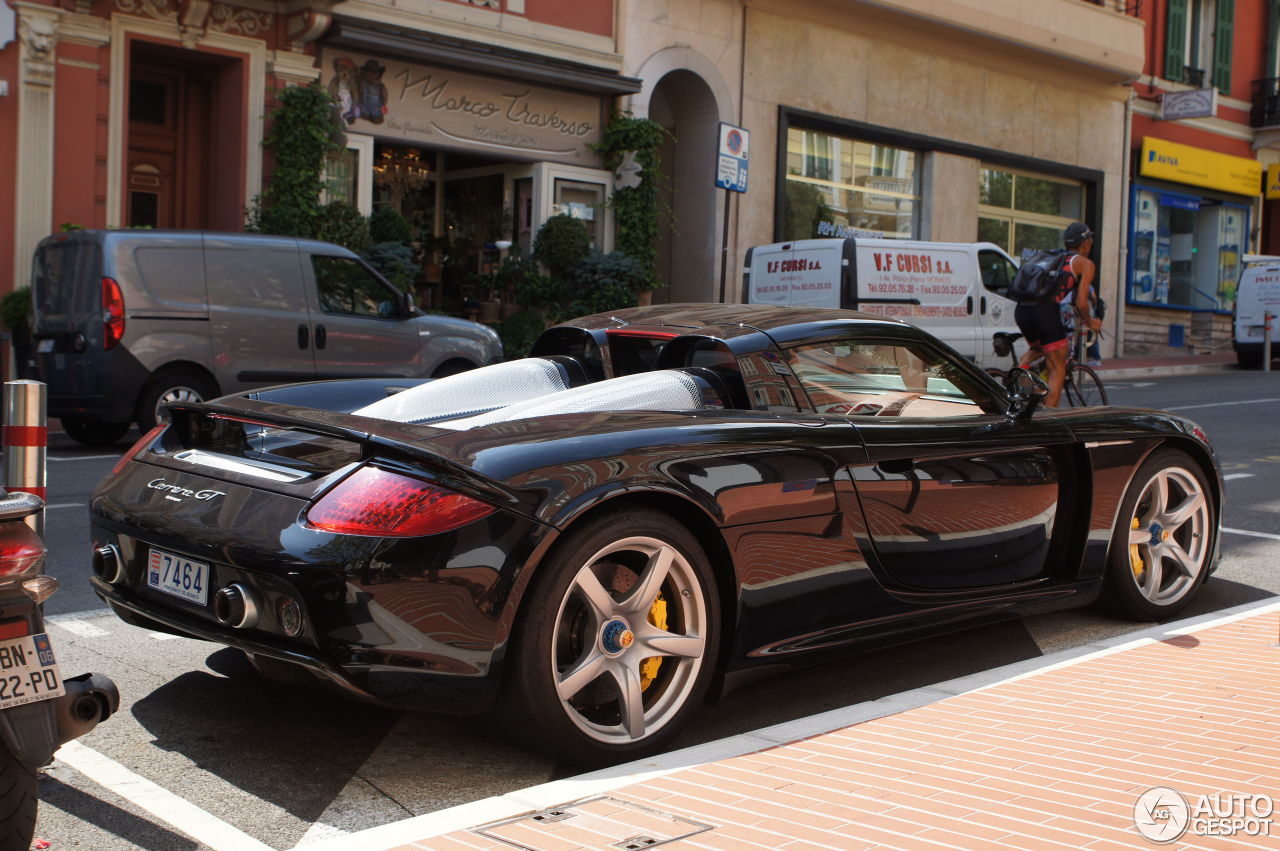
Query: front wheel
{"x": 1084, "y": 388}
{"x": 18, "y": 801}
{"x": 1163, "y": 540}
{"x": 618, "y": 641}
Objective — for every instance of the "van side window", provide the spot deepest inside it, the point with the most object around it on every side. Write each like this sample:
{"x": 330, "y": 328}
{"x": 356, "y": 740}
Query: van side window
{"x": 997, "y": 271}
{"x": 344, "y": 286}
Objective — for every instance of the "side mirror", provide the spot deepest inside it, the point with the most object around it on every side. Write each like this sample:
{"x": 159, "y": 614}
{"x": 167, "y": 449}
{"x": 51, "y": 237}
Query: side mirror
{"x": 1026, "y": 391}
{"x": 407, "y": 307}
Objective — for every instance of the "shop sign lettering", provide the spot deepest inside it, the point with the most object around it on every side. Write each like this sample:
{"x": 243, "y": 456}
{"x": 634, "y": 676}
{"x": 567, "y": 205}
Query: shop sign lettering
{"x": 453, "y": 109}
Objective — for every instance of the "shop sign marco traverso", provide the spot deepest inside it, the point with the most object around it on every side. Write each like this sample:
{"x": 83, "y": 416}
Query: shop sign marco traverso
{"x": 452, "y": 109}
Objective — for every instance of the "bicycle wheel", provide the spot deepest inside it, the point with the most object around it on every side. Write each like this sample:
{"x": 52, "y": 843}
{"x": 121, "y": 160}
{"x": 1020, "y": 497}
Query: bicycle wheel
{"x": 1001, "y": 376}
{"x": 1083, "y": 388}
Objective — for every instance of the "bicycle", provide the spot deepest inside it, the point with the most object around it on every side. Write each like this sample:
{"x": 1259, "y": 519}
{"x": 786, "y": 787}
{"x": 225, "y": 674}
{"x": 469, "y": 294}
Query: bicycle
{"x": 1081, "y": 387}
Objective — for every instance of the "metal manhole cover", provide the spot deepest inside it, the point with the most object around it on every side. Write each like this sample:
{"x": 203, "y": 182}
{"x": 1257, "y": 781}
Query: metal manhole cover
{"x": 602, "y": 822}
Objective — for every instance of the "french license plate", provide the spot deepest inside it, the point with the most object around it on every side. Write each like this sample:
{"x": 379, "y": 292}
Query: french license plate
{"x": 28, "y": 671}
{"x": 178, "y": 576}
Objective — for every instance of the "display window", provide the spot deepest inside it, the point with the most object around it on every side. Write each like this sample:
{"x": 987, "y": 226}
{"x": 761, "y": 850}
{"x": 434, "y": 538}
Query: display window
{"x": 839, "y": 186}
{"x": 1021, "y": 211}
{"x": 1185, "y": 250}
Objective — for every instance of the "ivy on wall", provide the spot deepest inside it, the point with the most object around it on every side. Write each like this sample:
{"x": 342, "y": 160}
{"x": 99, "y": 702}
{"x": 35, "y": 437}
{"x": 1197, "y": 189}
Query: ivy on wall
{"x": 305, "y": 130}
{"x": 630, "y": 150}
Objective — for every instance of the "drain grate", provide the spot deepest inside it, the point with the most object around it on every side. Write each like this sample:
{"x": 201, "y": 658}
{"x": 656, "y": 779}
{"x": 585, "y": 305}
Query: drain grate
{"x": 602, "y": 822}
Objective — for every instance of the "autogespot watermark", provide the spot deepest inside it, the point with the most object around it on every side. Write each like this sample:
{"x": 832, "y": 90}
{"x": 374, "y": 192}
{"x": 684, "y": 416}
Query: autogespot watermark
{"x": 1164, "y": 815}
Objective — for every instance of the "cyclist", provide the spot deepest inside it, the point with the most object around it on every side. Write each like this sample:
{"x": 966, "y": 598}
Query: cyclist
{"x": 1042, "y": 323}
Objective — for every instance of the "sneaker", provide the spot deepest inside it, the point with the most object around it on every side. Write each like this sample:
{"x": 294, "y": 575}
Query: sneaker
{"x": 1093, "y": 362}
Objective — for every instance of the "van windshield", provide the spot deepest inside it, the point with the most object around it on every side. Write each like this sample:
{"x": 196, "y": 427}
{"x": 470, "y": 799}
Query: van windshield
{"x": 64, "y": 286}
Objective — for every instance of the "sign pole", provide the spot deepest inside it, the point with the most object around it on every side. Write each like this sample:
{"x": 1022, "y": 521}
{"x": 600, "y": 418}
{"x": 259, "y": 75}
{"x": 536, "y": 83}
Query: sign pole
{"x": 724, "y": 246}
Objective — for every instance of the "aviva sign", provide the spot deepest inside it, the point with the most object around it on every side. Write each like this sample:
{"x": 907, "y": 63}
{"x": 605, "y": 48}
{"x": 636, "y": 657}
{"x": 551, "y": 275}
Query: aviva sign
{"x": 1198, "y": 167}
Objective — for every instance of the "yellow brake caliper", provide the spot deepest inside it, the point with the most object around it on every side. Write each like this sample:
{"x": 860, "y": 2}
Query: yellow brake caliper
{"x": 649, "y": 667}
{"x": 1135, "y": 557}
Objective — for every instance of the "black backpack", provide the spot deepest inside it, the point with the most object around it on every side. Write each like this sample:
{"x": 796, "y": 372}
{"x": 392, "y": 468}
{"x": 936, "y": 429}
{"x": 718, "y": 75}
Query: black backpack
{"x": 1039, "y": 276}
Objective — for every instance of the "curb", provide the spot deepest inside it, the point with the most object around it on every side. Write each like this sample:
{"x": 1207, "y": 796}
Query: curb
{"x": 1163, "y": 370}
{"x": 558, "y": 792}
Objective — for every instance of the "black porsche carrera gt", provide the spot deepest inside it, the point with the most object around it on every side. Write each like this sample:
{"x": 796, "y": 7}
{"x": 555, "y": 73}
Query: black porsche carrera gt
{"x": 657, "y": 502}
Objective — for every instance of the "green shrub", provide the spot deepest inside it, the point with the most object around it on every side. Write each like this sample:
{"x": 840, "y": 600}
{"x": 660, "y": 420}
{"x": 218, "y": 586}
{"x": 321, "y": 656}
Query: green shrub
{"x": 342, "y": 224}
{"x": 395, "y": 261}
{"x": 15, "y": 310}
{"x": 600, "y": 282}
{"x": 518, "y": 333}
{"x": 305, "y": 128}
{"x": 542, "y": 292}
{"x": 561, "y": 241}
{"x": 387, "y": 225}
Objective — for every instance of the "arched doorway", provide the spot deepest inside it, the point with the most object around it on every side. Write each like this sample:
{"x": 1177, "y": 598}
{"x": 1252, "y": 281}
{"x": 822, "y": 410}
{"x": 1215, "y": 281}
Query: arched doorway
{"x": 688, "y": 239}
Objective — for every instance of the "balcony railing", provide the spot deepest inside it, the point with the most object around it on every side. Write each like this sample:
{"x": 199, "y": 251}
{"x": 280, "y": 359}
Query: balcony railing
{"x": 1266, "y": 103}
{"x": 1193, "y": 77}
{"x": 1129, "y": 7}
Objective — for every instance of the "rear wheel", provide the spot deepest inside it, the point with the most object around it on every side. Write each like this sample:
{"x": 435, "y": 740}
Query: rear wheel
{"x": 18, "y": 802}
{"x": 95, "y": 433}
{"x": 174, "y": 385}
{"x": 1084, "y": 388}
{"x": 1163, "y": 540}
{"x": 618, "y": 642}
{"x": 1249, "y": 360}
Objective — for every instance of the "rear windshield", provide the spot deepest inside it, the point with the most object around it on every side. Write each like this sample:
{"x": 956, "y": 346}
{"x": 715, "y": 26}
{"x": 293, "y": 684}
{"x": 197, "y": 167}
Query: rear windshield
{"x": 65, "y": 285}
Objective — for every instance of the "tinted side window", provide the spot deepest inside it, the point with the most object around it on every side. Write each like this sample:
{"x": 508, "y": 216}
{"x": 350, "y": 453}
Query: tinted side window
{"x": 344, "y": 286}
{"x": 997, "y": 271}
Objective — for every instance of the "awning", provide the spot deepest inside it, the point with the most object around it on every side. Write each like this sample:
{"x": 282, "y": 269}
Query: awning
{"x": 434, "y": 49}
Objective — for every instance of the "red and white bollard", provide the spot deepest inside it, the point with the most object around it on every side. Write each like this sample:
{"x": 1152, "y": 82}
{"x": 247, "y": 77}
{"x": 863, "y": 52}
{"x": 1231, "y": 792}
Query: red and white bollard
{"x": 26, "y": 438}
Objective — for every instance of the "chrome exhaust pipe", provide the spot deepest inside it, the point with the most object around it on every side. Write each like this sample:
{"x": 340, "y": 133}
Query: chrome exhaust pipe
{"x": 107, "y": 564}
{"x": 90, "y": 700}
{"x": 236, "y": 606}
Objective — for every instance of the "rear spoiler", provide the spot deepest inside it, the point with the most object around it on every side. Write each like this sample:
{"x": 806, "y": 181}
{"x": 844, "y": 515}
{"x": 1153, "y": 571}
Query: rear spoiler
{"x": 376, "y": 438}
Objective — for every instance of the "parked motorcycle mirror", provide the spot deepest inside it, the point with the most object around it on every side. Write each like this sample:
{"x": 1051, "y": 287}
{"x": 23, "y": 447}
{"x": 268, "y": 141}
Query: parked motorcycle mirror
{"x": 1026, "y": 391}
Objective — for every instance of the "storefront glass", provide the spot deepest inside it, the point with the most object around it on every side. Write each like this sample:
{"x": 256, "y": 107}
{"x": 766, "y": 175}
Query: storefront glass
{"x": 1185, "y": 250}
{"x": 1019, "y": 211}
{"x": 837, "y": 186}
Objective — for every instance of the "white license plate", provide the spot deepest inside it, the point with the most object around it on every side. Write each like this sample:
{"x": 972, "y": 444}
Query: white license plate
{"x": 28, "y": 671}
{"x": 178, "y": 576}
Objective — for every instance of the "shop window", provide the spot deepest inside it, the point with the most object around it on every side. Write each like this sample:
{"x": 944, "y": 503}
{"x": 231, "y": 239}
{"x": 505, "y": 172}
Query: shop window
{"x": 836, "y": 186}
{"x": 1186, "y": 251}
{"x": 1019, "y": 211}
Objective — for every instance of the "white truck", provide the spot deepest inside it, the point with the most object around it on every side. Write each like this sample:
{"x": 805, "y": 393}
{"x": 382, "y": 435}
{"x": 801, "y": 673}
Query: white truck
{"x": 955, "y": 291}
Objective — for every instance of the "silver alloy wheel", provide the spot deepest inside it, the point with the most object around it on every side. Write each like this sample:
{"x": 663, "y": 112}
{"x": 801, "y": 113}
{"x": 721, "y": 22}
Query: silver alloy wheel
{"x": 1169, "y": 536}
{"x": 177, "y": 393}
{"x": 603, "y": 636}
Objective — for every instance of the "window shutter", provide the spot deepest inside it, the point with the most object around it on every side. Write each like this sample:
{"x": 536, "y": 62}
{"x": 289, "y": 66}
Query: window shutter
{"x": 1222, "y": 44}
{"x": 1175, "y": 40}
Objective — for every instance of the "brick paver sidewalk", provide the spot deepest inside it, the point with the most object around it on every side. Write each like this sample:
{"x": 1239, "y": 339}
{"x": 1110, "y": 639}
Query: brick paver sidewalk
{"x": 1052, "y": 759}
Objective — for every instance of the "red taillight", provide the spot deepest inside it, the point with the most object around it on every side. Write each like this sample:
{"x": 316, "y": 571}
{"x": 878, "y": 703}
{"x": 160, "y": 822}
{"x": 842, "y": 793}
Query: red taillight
{"x": 136, "y": 448}
{"x": 20, "y": 549}
{"x": 112, "y": 313}
{"x": 372, "y": 501}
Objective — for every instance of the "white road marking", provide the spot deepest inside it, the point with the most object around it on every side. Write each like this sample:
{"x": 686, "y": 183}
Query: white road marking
{"x": 1222, "y": 404}
{"x": 161, "y": 636}
{"x": 82, "y": 629}
{"x": 161, "y": 803}
{"x": 54, "y": 505}
{"x": 1231, "y": 476}
{"x": 1267, "y": 535}
{"x": 82, "y": 458}
{"x": 78, "y": 616}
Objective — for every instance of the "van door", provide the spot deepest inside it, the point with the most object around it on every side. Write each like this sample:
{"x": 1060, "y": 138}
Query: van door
{"x": 258, "y": 311}
{"x": 930, "y": 285}
{"x": 995, "y": 308}
{"x": 809, "y": 272}
{"x": 359, "y": 324}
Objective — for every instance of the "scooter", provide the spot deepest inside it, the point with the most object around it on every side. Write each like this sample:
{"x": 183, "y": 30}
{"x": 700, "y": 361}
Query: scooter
{"x": 39, "y": 711}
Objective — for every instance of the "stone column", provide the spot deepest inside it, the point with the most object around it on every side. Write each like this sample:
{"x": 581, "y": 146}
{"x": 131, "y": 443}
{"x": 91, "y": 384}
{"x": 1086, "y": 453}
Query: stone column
{"x": 33, "y": 189}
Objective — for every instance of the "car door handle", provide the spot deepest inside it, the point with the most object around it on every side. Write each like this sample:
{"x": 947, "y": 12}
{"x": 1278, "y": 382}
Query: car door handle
{"x": 983, "y": 305}
{"x": 968, "y": 304}
{"x": 897, "y": 466}
{"x": 320, "y": 336}
{"x": 302, "y": 336}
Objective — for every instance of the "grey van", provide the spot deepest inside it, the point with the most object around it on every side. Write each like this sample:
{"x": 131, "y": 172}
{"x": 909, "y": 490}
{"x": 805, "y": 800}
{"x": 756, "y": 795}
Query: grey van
{"x": 128, "y": 320}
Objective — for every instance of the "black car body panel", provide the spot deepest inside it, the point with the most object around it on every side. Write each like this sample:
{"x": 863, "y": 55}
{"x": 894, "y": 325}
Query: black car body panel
{"x": 824, "y": 530}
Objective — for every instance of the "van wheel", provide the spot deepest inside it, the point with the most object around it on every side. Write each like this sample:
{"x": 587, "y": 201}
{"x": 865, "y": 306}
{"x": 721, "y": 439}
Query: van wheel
{"x": 94, "y": 432}
{"x": 174, "y": 386}
{"x": 452, "y": 367}
{"x": 1249, "y": 360}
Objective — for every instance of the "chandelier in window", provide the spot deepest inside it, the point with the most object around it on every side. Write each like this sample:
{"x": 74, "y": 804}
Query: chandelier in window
{"x": 400, "y": 169}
